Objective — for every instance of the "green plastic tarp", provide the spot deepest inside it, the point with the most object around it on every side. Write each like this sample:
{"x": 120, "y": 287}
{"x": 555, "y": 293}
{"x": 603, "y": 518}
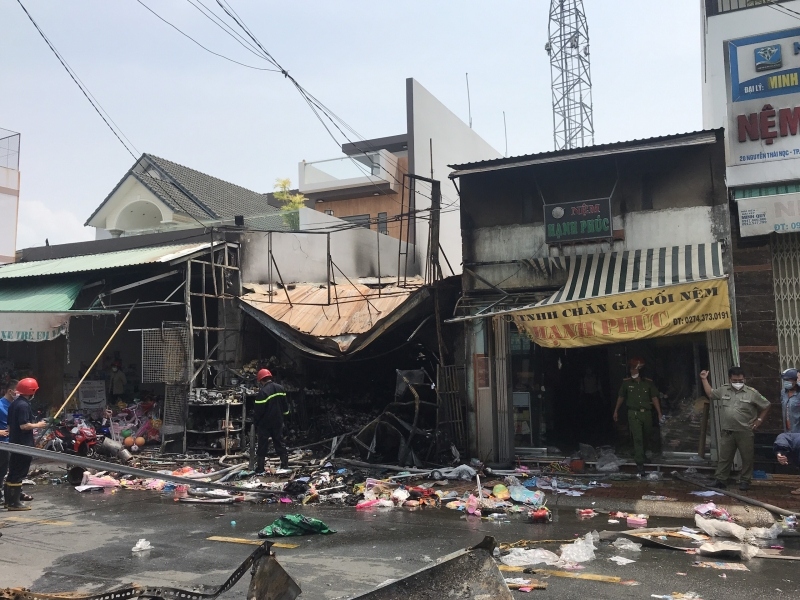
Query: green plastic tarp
{"x": 289, "y": 525}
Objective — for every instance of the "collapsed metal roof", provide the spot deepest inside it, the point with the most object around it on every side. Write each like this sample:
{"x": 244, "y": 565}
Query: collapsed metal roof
{"x": 357, "y": 315}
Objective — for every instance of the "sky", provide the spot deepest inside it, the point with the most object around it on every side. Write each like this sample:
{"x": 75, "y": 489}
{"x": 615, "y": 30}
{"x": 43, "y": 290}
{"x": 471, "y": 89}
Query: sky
{"x": 174, "y": 100}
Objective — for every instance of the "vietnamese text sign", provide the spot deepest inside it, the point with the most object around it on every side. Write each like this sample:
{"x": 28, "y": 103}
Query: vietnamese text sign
{"x": 765, "y": 214}
{"x": 763, "y": 73}
{"x": 577, "y": 221}
{"x": 657, "y": 312}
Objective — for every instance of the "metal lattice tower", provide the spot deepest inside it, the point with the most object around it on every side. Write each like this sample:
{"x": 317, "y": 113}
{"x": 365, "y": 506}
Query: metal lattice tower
{"x": 568, "y": 47}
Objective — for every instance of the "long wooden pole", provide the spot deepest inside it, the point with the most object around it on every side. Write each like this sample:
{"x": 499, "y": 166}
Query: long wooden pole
{"x": 94, "y": 362}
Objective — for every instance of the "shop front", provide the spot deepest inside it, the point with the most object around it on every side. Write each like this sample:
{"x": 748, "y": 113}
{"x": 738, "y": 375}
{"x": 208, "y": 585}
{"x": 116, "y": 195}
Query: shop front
{"x": 547, "y": 374}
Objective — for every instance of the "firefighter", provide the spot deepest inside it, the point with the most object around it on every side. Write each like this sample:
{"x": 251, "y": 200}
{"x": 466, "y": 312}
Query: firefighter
{"x": 270, "y": 407}
{"x": 20, "y": 431}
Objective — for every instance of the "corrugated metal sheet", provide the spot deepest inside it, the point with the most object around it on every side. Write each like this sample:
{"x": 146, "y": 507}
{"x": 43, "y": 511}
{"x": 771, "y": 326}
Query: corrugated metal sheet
{"x": 98, "y": 262}
{"x": 42, "y": 297}
{"x": 708, "y": 136}
{"x": 354, "y": 319}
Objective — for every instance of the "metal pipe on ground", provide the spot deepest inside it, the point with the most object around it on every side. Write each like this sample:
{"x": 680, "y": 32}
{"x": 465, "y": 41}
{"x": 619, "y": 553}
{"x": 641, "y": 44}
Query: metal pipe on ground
{"x": 99, "y": 465}
{"x": 770, "y": 507}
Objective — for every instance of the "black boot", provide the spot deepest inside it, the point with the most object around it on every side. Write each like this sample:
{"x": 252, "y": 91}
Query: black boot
{"x": 260, "y": 464}
{"x": 284, "y": 461}
{"x": 12, "y": 498}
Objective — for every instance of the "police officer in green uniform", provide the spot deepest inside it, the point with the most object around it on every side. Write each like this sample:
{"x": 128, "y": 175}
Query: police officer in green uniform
{"x": 640, "y": 396}
{"x": 739, "y": 417}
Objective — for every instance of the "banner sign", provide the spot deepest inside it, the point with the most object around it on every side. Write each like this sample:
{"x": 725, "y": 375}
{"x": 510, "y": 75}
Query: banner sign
{"x": 32, "y": 327}
{"x": 671, "y": 310}
{"x": 577, "y": 221}
{"x": 762, "y": 215}
{"x": 763, "y": 73}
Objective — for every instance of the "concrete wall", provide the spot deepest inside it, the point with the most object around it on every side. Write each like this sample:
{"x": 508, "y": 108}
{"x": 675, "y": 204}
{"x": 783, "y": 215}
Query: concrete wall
{"x": 664, "y": 198}
{"x": 431, "y": 125}
{"x": 9, "y": 207}
{"x": 301, "y": 257}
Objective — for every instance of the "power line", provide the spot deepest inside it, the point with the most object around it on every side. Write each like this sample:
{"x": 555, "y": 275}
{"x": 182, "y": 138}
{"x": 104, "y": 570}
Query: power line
{"x": 217, "y": 21}
{"x": 93, "y": 101}
{"x": 783, "y": 9}
{"x": 186, "y": 35}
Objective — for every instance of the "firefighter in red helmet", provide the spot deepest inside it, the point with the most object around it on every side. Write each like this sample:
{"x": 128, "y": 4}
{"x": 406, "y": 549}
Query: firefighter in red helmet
{"x": 640, "y": 396}
{"x": 270, "y": 407}
{"x": 21, "y": 424}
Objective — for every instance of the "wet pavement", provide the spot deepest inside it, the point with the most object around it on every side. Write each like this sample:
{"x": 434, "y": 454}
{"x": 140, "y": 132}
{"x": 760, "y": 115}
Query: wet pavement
{"x": 82, "y": 542}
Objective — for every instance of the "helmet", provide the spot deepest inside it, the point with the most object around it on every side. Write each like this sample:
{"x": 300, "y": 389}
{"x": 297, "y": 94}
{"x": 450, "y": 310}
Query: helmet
{"x": 27, "y": 386}
{"x": 262, "y": 374}
{"x": 635, "y": 363}
{"x": 787, "y": 374}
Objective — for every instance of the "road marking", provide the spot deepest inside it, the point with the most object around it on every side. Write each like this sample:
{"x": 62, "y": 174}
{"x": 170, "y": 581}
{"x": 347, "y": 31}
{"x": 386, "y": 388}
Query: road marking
{"x": 36, "y": 521}
{"x": 235, "y": 540}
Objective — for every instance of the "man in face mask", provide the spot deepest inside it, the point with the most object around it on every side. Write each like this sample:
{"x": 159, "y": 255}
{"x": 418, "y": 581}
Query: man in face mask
{"x": 21, "y": 424}
{"x": 641, "y": 396}
{"x": 742, "y": 410}
{"x": 790, "y": 401}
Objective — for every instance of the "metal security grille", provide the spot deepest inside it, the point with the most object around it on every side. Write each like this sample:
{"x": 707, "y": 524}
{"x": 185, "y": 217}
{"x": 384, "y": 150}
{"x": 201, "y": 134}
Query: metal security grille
{"x": 165, "y": 354}
{"x": 786, "y": 278}
{"x": 176, "y": 398}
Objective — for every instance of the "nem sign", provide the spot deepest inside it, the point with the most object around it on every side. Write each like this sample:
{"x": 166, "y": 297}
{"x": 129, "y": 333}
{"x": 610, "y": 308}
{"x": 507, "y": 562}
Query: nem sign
{"x": 577, "y": 221}
{"x": 763, "y": 75}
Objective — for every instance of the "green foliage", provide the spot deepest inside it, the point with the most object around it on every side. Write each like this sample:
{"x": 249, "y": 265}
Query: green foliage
{"x": 291, "y": 202}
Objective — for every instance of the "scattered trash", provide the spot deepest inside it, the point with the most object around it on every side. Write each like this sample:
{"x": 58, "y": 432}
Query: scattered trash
{"x": 519, "y": 557}
{"x": 522, "y": 494}
{"x": 721, "y": 566}
{"x": 637, "y": 521}
{"x": 608, "y": 462}
{"x": 290, "y": 525}
{"x": 626, "y": 544}
{"x": 585, "y": 513}
{"x": 706, "y": 493}
{"x": 141, "y": 546}
{"x": 541, "y": 515}
{"x": 728, "y": 550}
{"x": 712, "y": 511}
{"x": 614, "y": 521}
{"x": 621, "y": 560}
{"x": 678, "y": 596}
{"x": 581, "y": 550}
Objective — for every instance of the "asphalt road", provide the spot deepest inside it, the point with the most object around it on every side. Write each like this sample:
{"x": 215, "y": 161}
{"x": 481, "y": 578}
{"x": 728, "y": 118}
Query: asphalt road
{"x": 82, "y": 542}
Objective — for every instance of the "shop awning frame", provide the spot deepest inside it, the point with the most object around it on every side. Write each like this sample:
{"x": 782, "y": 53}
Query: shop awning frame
{"x": 615, "y": 273}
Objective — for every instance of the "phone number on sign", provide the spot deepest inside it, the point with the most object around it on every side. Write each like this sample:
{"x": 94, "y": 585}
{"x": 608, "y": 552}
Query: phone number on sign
{"x": 700, "y": 318}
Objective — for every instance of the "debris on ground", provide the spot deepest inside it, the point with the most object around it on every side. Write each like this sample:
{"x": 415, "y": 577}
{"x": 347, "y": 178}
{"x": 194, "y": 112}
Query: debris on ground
{"x": 721, "y": 566}
{"x": 621, "y": 560}
{"x": 291, "y": 525}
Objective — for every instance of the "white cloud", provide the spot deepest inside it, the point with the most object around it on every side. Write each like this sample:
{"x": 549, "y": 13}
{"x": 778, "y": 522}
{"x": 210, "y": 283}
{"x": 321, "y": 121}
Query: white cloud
{"x": 38, "y": 222}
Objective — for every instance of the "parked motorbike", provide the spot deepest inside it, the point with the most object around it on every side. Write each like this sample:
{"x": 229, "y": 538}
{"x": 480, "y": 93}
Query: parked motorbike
{"x": 73, "y": 439}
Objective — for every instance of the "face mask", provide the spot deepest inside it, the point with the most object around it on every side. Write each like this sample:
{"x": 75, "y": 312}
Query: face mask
{"x": 114, "y": 369}
{"x": 787, "y": 385}
{"x": 635, "y": 376}
{"x": 737, "y": 386}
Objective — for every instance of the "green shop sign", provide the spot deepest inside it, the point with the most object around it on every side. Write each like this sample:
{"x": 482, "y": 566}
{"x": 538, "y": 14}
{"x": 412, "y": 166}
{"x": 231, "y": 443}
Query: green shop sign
{"x": 577, "y": 221}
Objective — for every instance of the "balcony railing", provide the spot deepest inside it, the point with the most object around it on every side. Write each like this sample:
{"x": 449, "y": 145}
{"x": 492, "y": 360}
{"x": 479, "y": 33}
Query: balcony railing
{"x": 718, "y": 7}
{"x": 349, "y": 173}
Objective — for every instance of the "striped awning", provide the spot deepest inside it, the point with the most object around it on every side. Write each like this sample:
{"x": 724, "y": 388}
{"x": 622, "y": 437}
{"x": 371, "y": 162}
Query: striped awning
{"x": 597, "y": 275}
